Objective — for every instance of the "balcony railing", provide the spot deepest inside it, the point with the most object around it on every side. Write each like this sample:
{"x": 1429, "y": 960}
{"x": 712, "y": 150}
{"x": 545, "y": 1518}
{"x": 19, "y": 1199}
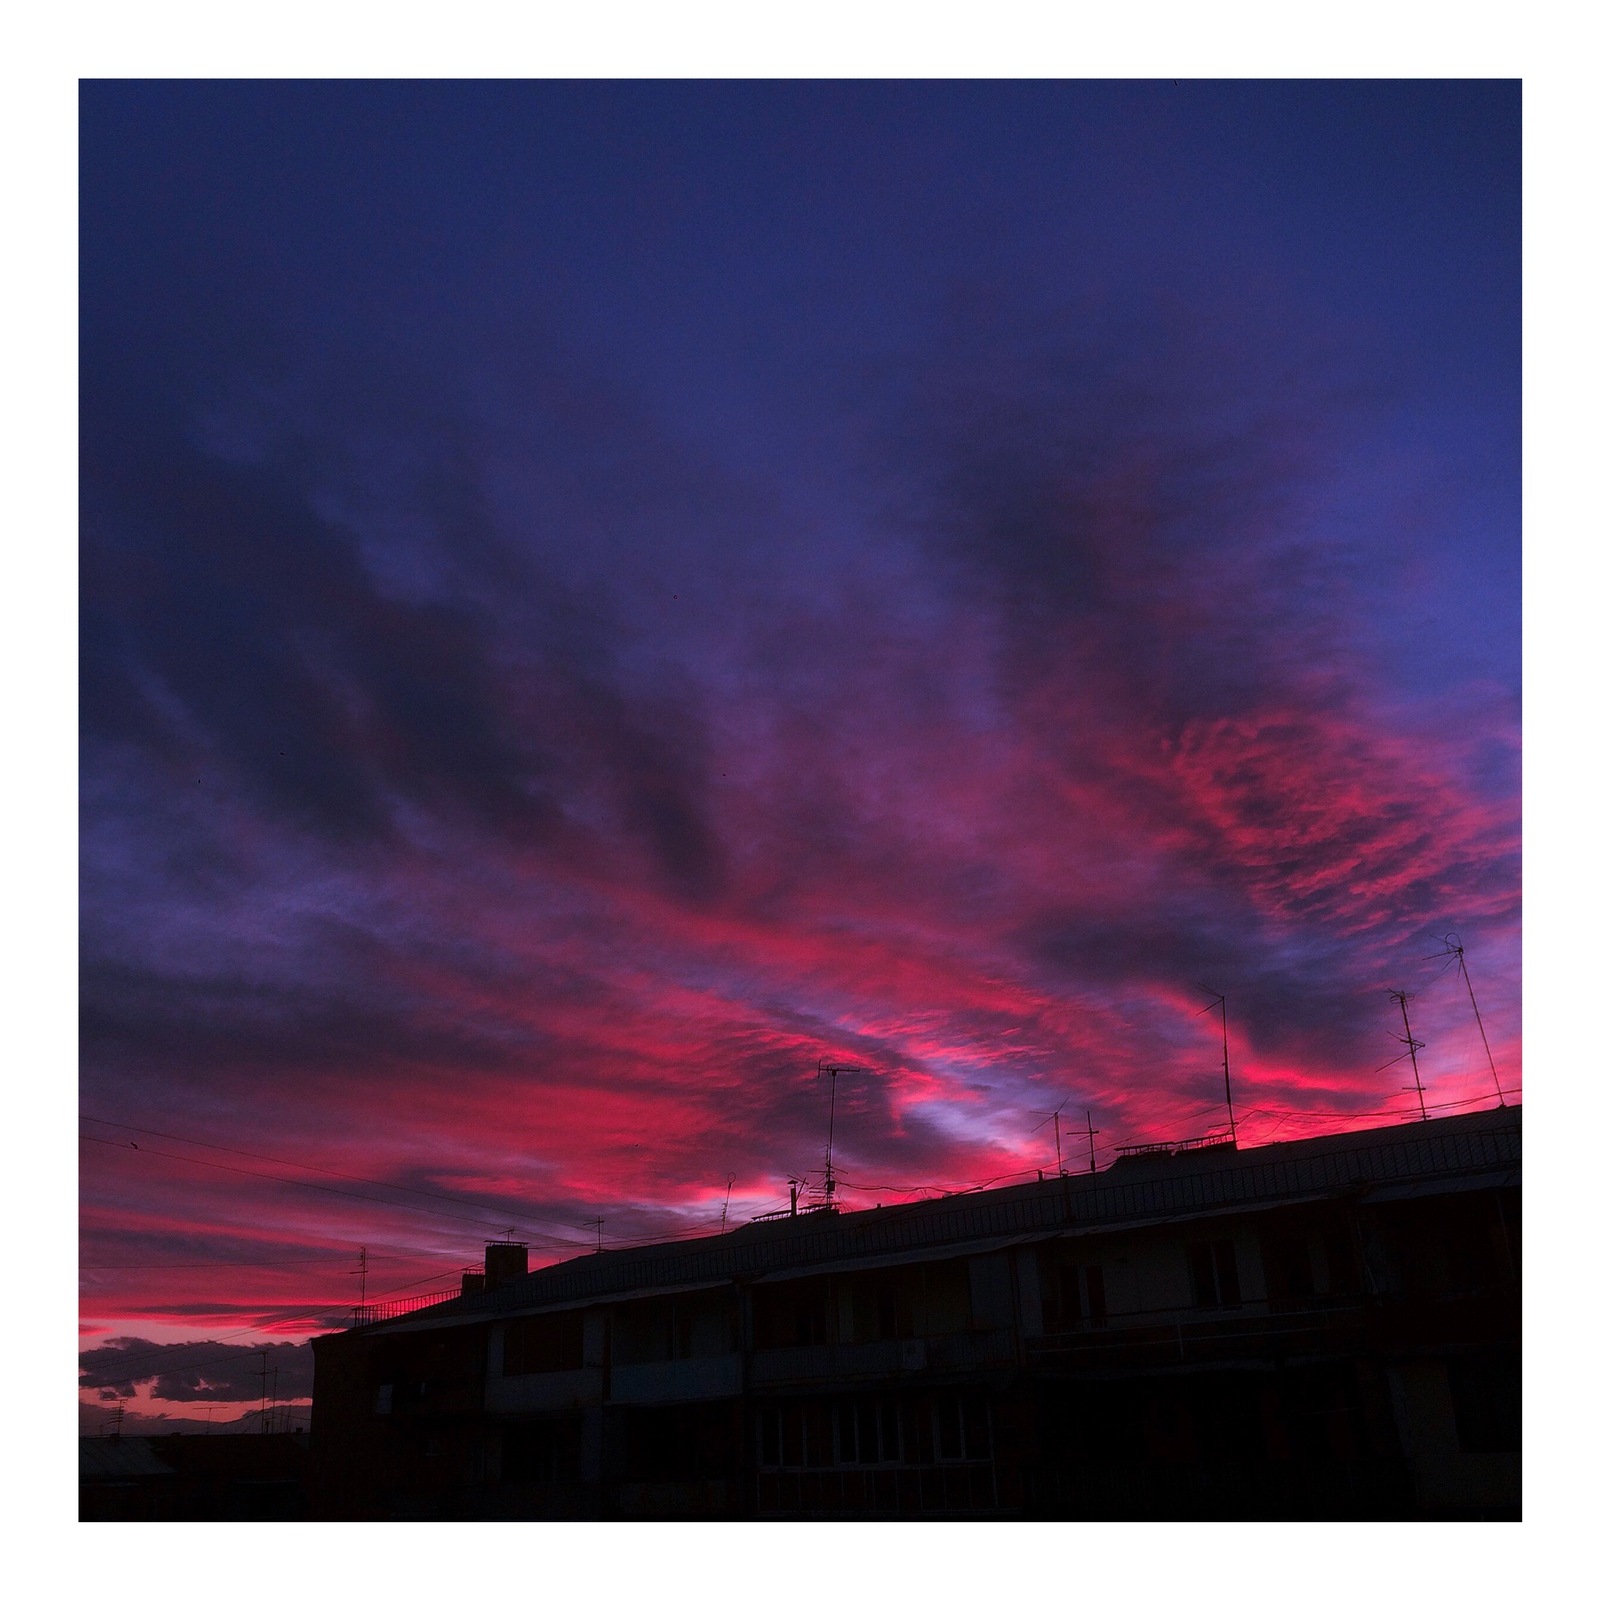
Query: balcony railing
{"x": 950, "y": 1352}
{"x": 1271, "y": 1329}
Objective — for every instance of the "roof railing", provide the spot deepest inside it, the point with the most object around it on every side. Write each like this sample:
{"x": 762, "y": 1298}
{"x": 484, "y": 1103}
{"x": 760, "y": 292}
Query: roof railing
{"x": 1168, "y": 1147}
{"x": 386, "y": 1310}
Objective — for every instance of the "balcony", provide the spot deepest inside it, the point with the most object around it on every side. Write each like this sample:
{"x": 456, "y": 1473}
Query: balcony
{"x": 1268, "y": 1330}
{"x": 1251, "y": 1332}
{"x": 672, "y": 1382}
{"x": 543, "y": 1391}
{"x": 884, "y": 1358}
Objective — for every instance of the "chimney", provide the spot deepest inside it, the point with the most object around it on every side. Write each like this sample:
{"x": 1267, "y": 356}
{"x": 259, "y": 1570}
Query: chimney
{"x": 472, "y": 1281}
{"x": 503, "y": 1262}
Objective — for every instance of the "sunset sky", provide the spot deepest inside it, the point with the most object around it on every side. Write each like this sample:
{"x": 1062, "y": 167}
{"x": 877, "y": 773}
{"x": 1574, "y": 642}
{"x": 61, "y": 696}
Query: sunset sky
{"x": 597, "y": 597}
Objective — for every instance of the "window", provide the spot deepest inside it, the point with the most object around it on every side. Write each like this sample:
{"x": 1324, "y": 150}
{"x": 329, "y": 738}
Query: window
{"x": 385, "y": 1399}
{"x": 771, "y": 1443}
{"x": 947, "y": 1296}
{"x": 1060, "y": 1295}
{"x": 859, "y": 1431}
{"x": 1287, "y": 1263}
{"x": 676, "y": 1328}
{"x": 791, "y": 1314}
{"x": 880, "y": 1307}
{"x": 544, "y": 1344}
{"x": 1214, "y": 1269}
{"x": 680, "y": 1444}
{"x": 1344, "y": 1270}
{"x": 962, "y": 1422}
{"x": 1486, "y": 1392}
{"x": 1094, "y": 1282}
{"x": 869, "y": 1431}
{"x": 1069, "y": 1292}
{"x": 545, "y": 1451}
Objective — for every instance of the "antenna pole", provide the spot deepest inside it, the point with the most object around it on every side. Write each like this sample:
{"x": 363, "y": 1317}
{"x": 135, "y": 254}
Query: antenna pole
{"x": 828, "y": 1184}
{"x": 1461, "y": 960}
{"x": 362, "y": 1269}
{"x": 1221, "y": 1002}
{"x": 1412, "y": 1045}
{"x": 1227, "y": 1077}
{"x": 599, "y": 1234}
{"x": 827, "y": 1164}
{"x": 727, "y": 1196}
{"x": 1089, "y": 1117}
{"x": 263, "y": 1388}
{"x": 1056, "y": 1116}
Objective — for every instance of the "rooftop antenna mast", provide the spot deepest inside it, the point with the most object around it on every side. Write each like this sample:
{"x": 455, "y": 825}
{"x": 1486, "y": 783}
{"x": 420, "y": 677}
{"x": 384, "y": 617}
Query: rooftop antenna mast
{"x": 727, "y": 1196}
{"x": 1218, "y": 1000}
{"x": 1089, "y": 1118}
{"x": 1055, "y": 1117}
{"x": 833, "y": 1097}
{"x": 1454, "y": 950}
{"x": 1412, "y": 1046}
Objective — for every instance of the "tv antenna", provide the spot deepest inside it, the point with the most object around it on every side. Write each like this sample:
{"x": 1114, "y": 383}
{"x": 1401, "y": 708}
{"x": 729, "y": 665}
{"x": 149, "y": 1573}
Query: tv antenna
{"x": 361, "y": 1272}
{"x": 1221, "y": 1001}
{"x": 1055, "y": 1117}
{"x": 833, "y": 1097}
{"x": 1412, "y": 1046}
{"x": 1454, "y": 951}
{"x": 727, "y": 1196}
{"x": 1090, "y": 1131}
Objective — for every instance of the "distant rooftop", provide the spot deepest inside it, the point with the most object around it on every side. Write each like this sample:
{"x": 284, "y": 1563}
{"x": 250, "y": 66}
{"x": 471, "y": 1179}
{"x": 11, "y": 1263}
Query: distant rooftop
{"x": 119, "y": 1456}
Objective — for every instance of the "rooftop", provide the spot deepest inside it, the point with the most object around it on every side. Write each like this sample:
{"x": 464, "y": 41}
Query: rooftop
{"x": 1144, "y": 1186}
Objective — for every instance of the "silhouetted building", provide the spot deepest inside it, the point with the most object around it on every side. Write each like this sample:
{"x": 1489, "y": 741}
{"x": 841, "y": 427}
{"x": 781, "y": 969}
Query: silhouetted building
{"x": 193, "y": 1477}
{"x": 121, "y": 1479}
{"x": 1320, "y": 1328}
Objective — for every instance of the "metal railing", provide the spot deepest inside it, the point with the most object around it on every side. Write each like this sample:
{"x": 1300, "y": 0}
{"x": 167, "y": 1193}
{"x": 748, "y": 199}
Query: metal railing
{"x": 1188, "y": 1335}
{"x": 386, "y": 1310}
{"x": 951, "y": 1352}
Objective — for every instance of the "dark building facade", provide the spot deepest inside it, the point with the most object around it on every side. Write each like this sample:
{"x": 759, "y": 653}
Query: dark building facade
{"x": 1324, "y": 1328}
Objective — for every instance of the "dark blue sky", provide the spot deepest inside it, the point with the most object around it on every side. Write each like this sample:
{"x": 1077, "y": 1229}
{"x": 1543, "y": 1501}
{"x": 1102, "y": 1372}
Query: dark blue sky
{"x": 596, "y": 595}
